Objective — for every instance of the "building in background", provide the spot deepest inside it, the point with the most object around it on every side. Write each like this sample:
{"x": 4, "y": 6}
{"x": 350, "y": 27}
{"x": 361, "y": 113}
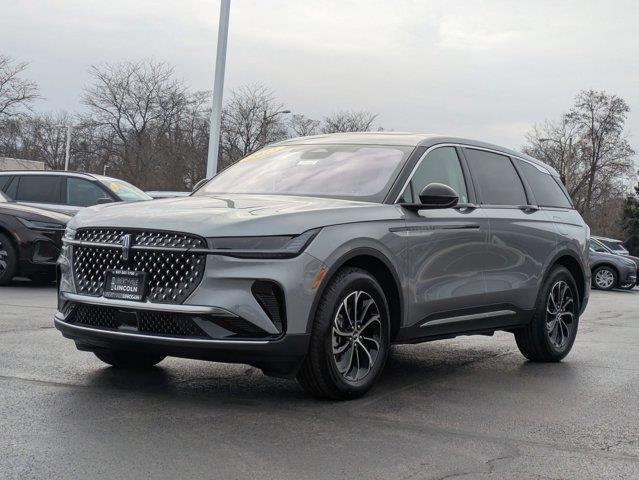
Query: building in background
{"x": 7, "y": 163}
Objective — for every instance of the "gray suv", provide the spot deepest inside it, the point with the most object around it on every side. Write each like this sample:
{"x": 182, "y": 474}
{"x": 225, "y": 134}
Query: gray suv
{"x": 310, "y": 257}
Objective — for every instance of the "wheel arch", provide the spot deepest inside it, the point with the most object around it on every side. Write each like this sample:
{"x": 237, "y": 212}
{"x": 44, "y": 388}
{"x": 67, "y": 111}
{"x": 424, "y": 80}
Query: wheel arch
{"x": 380, "y": 267}
{"x": 572, "y": 263}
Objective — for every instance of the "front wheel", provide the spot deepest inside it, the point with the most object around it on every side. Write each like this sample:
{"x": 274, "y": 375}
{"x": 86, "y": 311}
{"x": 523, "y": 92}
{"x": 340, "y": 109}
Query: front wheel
{"x": 604, "y": 278}
{"x": 350, "y": 337}
{"x": 551, "y": 333}
{"x": 126, "y": 359}
{"x": 8, "y": 260}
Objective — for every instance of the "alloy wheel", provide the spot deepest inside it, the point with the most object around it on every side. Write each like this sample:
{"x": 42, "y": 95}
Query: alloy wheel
{"x": 604, "y": 278}
{"x": 356, "y": 336}
{"x": 560, "y": 314}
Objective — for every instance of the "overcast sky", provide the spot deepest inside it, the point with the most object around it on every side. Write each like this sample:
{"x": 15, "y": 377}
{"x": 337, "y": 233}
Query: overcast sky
{"x": 480, "y": 69}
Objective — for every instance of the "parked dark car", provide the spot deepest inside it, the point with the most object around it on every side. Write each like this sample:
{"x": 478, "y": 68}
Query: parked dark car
{"x": 66, "y": 192}
{"x": 30, "y": 241}
{"x": 311, "y": 257}
{"x": 610, "y": 270}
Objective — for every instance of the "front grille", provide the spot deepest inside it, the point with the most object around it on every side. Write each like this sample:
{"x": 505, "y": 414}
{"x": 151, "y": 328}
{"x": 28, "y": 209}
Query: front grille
{"x": 168, "y": 324}
{"x": 172, "y": 274}
{"x": 152, "y": 323}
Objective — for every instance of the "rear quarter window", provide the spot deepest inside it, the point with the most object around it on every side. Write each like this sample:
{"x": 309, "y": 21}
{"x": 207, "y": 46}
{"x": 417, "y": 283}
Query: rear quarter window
{"x": 545, "y": 187}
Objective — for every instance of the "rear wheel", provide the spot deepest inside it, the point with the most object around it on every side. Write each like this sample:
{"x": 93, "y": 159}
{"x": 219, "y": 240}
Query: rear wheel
{"x": 349, "y": 339}
{"x": 604, "y": 278}
{"x": 8, "y": 260}
{"x": 551, "y": 333}
{"x": 126, "y": 359}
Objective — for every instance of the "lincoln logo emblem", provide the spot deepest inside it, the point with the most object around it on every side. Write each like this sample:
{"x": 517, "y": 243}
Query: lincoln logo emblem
{"x": 126, "y": 247}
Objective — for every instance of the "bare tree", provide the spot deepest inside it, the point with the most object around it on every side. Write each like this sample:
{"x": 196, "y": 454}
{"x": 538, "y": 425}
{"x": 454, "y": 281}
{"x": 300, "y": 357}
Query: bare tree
{"x": 591, "y": 151}
{"x": 138, "y": 102}
{"x": 16, "y": 92}
{"x": 600, "y": 120}
{"x": 251, "y": 119}
{"x": 303, "y": 126}
{"x": 349, "y": 121}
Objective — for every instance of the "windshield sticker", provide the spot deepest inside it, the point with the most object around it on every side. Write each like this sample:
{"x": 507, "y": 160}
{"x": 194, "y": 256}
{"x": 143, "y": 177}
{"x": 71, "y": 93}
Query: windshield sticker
{"x": 114, "y": 187}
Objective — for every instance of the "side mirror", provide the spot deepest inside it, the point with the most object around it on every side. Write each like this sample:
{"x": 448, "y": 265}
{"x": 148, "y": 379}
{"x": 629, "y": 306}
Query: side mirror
{"x": 438, "y": 195}
{"x": 435, "y": 195}
{"x": 104, "y": 200}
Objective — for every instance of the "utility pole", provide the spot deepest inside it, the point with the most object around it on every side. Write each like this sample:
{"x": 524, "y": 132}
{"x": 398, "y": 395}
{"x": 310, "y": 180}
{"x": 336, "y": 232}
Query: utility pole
{"x": 218, "y": 87}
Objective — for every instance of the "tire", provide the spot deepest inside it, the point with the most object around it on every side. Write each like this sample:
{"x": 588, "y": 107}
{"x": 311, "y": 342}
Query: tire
{"x": 607, "y": 273}
{"x": 126, "y": 359}
{"x": 8, "y": 260}
{"x": 536, "y": 341}
{"x": 344, "y": 362}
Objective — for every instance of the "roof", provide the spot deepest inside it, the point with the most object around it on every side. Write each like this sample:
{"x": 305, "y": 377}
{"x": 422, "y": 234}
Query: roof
{"x": 50, "y": 172}
{"x": 407, "y": 139}
{"x": 606, "y": 239}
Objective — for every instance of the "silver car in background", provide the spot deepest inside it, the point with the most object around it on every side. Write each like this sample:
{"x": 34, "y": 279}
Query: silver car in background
{"x": 310, "y": 257}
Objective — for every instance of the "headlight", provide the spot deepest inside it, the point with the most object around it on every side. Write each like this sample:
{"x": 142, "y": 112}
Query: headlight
{"x": 279, "y": 246}
{"x": 37, "y": 225}
{"x": 69, "y": 234}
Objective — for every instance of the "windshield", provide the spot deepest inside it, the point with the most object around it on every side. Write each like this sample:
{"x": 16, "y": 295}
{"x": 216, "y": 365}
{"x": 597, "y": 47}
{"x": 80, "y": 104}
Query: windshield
{"x": 4, "y": 198}
{"x": 125, "y": 191}
{"x": 361, "y": 171}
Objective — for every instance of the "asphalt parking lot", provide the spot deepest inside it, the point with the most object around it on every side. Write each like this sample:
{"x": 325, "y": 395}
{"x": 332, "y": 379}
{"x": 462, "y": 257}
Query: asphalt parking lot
{"x": 468, "y": 408}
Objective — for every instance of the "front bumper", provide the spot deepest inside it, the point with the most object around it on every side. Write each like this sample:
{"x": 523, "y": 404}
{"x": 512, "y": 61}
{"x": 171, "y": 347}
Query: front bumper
{"x": 280, "y": 357}
{"x": 224, "y": 291}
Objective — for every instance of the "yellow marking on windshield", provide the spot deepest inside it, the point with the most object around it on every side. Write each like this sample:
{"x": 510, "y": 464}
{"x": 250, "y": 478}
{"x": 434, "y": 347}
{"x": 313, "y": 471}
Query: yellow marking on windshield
{"x": 114, "y": 187}
{"x": 262, "y": 153}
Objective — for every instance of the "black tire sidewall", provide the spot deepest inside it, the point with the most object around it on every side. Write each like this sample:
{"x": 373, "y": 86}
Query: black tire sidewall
{"x": 12, "y": 260}
{"x": 614, "y": 274}
{"x": 559, "y": 273}
{"x": 353, "y": 281}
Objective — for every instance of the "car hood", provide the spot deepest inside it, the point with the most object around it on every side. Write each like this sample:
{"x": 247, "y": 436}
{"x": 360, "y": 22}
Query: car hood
{"x": 33, "y": 213}
{"x": 234, "y": 215}
{"x": 612, "y": 258}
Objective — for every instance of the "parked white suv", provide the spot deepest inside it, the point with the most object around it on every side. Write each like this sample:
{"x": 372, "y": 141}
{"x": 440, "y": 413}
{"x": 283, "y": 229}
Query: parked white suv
{"x": 66, "y": 192}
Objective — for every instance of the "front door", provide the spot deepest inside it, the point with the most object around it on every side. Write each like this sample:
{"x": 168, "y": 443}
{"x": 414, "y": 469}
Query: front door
{"x": 446, "y": 250}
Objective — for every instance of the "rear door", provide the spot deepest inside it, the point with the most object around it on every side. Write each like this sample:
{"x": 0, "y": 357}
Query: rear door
{"x": 43, "y": 191}
{"x": 521, "y": 235}
{"x": 446, "y": 248}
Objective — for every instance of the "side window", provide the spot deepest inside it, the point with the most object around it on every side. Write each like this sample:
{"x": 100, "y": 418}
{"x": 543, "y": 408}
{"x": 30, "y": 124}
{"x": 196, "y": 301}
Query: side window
{"x": 4, "y": 181}
{"x": 547, "y": 191}
{"x": 496, "y": 177}
{"x": 83, "y": 193}
{"x": 38, "y": 188}
{"x": 440, "y": 166}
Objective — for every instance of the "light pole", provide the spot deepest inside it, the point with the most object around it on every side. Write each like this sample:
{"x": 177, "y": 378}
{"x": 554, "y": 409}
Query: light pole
{"x": 218, "y": 87}
{"x": 265, "y": 119}
{"x": 67, "y": 153}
